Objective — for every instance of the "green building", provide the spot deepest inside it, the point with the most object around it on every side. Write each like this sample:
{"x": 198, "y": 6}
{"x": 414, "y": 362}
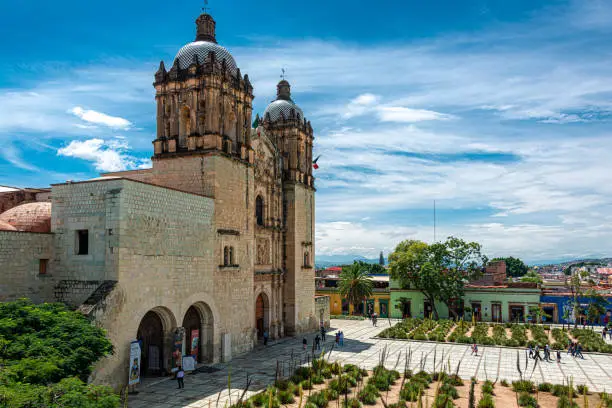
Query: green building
{"x": 490, "y": 299}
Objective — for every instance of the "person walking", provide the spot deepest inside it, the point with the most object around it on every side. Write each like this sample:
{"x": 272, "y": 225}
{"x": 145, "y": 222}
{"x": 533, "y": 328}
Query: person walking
{"x": 323, "y": 333}
{"x": 537, "y": 354}
{"x": 530, "y": 348}
{"x": 570, "y": 347}
{"x": 180, "y": 375}
{"x": 266, "y": 335}
{"x": 317, "y": 342}
{"x": 579, "y": 351}
{"x": 374, "y": 319}
{"x": 604, "y": 332}
{"x": 304, "y": 343}
{"x": 337, "y": 338}
{"x": 559, "y": 356}
{"x": 547, "y": 353}
{"x": 475, "y": 349}
{"x": 341, "y": 339}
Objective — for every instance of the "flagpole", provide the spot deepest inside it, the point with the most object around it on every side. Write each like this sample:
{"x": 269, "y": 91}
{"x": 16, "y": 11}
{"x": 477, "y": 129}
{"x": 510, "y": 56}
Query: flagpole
{"x": 434, "y": 216}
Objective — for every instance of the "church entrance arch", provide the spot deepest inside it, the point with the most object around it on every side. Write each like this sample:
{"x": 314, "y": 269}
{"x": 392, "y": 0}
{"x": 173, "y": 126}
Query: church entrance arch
{"x": 152, "y": 333}
{"x": 199, "y": 336}
{"x": 262, "y": 312}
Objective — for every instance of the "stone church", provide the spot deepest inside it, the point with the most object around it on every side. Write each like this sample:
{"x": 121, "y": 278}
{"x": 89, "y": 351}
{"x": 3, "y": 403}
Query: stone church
{"x": 204, "y": 251}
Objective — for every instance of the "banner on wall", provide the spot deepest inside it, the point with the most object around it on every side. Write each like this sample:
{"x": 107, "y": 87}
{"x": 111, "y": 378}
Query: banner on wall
{"x": 134, "y": 375}
{"x": 177, "y": 352}
{"x": 195, "y": 344}
{"x": 188, "y": 363}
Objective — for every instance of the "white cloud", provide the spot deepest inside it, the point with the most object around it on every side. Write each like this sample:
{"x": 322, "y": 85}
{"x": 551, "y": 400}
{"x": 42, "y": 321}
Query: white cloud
{"x": 106, "y": 155}
{"x": 402, "y": 114}
{"x": 99, "y": 118}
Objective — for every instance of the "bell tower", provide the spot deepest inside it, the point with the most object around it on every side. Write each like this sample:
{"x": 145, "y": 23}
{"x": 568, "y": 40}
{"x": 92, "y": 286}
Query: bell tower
{"x": 204, "y": 104}
{"x": 286, "y": 125}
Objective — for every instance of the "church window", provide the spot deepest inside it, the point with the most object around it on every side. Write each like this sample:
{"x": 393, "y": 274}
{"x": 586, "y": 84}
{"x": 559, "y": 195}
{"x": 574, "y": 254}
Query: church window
{"x": 82, "y": 242}
{"x": 231, "y": 256}
{"x": 42, "y": 266}
{"x": 259, "y": 210}
{"x": 306, "y": 259}
{"x": 226, "y": 256}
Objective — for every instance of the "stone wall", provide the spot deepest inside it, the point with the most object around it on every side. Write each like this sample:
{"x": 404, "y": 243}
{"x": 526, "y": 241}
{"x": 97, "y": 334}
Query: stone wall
{"x": 299, "y": 288}
{"x": 20, "y": 255}
{"x": 322, "y": 309}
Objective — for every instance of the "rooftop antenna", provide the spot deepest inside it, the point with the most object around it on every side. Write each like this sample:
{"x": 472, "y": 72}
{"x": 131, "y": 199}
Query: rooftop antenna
{"x": 205, "y": 8}
{"x": 283, "y": 73}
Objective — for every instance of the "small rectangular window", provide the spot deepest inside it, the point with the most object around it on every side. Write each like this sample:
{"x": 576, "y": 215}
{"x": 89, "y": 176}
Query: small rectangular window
{"x": 82, "y": 244}
{"x": 42, "y": 266}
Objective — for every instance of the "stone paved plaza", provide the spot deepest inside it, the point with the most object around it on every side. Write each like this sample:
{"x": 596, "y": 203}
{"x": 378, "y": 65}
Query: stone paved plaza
{"x": 360, "y": 348}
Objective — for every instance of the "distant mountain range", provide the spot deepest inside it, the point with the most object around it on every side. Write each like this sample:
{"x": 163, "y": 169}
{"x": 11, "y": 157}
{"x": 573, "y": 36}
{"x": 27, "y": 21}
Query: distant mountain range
{"x": 325, "y": 261}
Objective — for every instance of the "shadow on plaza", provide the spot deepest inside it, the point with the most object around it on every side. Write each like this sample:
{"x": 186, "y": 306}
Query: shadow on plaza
{"x": 259, "y": 366}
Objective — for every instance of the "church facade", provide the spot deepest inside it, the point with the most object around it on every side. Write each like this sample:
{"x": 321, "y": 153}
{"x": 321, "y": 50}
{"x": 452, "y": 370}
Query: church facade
{"x": 200, "y": 254}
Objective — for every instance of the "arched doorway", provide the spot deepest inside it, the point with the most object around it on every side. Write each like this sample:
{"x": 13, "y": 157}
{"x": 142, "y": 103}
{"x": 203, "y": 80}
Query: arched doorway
{"x": 199, "y": 335}
{"x": 262, "y": 309}
{"x": 193, "y": 327}
{"x": 151, "y": 335}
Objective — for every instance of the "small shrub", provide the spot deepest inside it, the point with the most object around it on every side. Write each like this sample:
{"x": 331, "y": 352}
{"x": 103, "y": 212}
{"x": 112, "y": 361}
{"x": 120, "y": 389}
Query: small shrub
{"x": 399, "y": 404}
{"x": 564, "y": 402}
{"x": 319, "y": 399}
{"x": 317, "y": 379}
{"x": 242, "y": 404}
{"x": 449, "y": 390}
{"x": 331, "y": 395}
{"x": 545, "y": 387}
{"x": 259, "y": 399}
{"x": 486, "y": 401}
{"x": 423, "y": 375}
{"x": 335, "y": 368}
{"x": 306, "y": 385}
{"x": 455, "y": 380}
{"x": 560, "y": 390}
{"x": 310, "y": 405}
{"x": 505, "y": 383}
{"x": 411, "y": 391}
{"x": 351, "y": 403}
{"x": 443, "y": 401}
{"x": 326, "y": 372}
{"x": 523, "y": 386}
{"x": 487, "y": 388}
{"x": 368, "y": 395}
{"x": 527, "y": 400}
{"x": 286, "y": 397}
{"x": 582, "y": 389}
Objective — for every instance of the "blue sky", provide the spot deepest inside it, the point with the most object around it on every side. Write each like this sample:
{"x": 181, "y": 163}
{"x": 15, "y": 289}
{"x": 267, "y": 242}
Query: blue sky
{"x": 498, "y": 110}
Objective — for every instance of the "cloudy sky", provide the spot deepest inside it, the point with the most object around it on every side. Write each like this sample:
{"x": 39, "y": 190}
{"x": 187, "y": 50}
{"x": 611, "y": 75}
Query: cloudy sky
{"x": 498, "y": 110}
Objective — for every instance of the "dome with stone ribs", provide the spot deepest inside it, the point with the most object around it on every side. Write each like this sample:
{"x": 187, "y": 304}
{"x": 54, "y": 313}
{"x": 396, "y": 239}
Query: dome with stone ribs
{"x": 202, "y": 49}
{"x": 29, "y": 217}
{"x": 5, "y": 226}
{"x": 283, "y": 107}
{"x": 204, "y": 44}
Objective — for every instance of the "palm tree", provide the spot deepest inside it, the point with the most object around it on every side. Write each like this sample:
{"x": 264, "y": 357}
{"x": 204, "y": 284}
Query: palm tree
{"x": 355, "y": 284}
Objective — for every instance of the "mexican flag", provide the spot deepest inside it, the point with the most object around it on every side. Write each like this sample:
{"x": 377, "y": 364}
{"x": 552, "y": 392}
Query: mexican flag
{"x": 314, "y": 163}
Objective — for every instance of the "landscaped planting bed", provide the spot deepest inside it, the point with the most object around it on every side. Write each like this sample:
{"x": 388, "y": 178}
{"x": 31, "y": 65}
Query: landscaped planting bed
{"x": 331, "y": 385}
{"x": 446, "y": 330}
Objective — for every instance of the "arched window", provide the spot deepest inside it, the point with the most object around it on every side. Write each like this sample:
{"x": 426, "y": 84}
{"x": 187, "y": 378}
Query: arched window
{"x": 306, "y": 259}
{"x": 259, "y": 210}
{"x": 231, "y": 256}
{"x": 226, "y": 256}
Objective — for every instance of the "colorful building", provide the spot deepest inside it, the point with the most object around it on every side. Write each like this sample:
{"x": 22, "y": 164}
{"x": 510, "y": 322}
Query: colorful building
{"x": 327, "y": 281}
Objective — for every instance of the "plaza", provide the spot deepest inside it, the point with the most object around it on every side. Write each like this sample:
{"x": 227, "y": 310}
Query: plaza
{"x": 209, "y": 388}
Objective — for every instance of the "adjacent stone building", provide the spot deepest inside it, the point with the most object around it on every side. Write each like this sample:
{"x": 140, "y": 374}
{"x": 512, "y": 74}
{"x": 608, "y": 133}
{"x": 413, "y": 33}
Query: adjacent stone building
{"x": 200, "y": 254}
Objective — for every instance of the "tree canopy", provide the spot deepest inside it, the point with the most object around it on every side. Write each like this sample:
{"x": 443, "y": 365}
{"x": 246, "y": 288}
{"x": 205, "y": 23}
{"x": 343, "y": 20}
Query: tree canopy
{"x": 514, "y": 266}
{"x": 355, "y": 284}
{"x": 46, "y": 353}
{"x": 440, "y": 271}
{"x": 532, "y": 276}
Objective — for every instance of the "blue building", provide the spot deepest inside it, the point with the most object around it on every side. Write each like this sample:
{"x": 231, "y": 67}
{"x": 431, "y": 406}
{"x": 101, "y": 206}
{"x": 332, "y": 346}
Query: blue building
{"x": 559, "y": 304}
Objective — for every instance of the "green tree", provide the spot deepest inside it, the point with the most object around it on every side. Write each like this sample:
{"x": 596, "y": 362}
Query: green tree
{"x": 457, "y": 262}
{"x": 514, "y": 266}
{"x": 355, "y": 284}
{"x": 597, "y": 306}
{"x": 532, "y": 276}
{"x": 381, "y": 259}
{"x": 577, "y": 282}
{"x": 375, "y": 269}
{"x": 439, "y": 271}
{"x": 46, "y": 354}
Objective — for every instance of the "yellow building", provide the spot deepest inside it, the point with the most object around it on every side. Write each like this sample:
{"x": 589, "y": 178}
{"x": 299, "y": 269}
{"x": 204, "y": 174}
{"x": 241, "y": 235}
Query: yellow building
{"x": 327, "y": 284}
